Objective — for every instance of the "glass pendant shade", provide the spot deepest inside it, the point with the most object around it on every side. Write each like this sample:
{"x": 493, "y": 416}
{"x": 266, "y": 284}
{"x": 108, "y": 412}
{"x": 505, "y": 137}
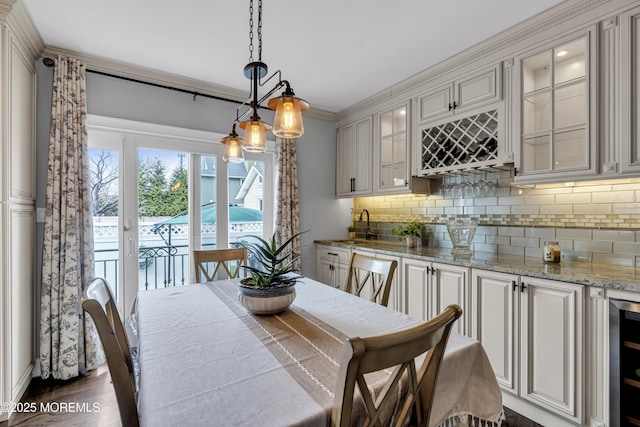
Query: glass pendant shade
{"x": 287, "y": 121}
{"x": 255, "y": 136}
{"x": 233, "y": 150}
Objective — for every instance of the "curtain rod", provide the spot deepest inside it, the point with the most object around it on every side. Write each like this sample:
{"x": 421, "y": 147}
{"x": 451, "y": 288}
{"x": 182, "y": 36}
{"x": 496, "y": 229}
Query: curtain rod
{"x": 50, "y": 63}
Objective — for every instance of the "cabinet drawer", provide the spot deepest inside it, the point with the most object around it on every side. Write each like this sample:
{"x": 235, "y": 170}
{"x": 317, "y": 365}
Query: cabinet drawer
{"x": 333, "y": 253}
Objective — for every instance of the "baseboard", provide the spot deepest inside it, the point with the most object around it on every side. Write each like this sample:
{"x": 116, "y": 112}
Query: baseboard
{"x": 22, "y": 384}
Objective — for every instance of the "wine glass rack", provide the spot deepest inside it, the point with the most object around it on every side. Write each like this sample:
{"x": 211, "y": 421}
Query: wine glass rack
{"x": 468, "y": 142}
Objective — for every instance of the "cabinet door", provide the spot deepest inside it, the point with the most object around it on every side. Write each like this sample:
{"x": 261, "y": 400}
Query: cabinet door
{"x": 327, "y": 272}
{"x": 478, "y": 89}
{"x": 363, "y": 163}
{"x": 415, "y": 279}
{"x": 353, "y": 159}
{"x": 557, "y": 110}
{"x": 392, "y": 150}
{"x": 344, "y": 156}
{"x": 436, "y": 103}
{"x": 630, "y": 81}
{"x": 450, "y": 286}
{"x": 551, "y": 330}
{"x": 494, "y": 299}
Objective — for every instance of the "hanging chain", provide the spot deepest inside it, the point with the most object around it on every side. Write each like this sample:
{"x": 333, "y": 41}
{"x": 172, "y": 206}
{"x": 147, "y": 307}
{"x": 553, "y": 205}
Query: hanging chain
{"x": 259, "y": 30}
{"x": 251, "y": 30}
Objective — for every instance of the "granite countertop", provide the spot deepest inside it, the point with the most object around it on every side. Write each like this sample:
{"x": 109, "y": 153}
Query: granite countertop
{"x": 584, "y": 273}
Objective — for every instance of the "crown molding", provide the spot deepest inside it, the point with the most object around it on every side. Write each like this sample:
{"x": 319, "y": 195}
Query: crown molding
{"x": 501, "y": 43}
{"x": 165, "y": 79}
{"x": 24, "y": 29}
{"x": 5, "y": 8}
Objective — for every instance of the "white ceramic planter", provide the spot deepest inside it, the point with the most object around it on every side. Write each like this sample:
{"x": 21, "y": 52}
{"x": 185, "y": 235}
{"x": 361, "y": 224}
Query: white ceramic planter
{"x": 267, "y": 301}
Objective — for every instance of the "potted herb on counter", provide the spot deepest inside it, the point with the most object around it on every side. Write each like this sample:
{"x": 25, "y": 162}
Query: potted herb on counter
{"x": 352, "y": 231}
{"x": 410, "y": 233}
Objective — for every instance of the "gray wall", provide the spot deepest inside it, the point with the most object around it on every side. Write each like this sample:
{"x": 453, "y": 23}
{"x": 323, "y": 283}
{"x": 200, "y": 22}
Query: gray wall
{"x": 320, "y": 213}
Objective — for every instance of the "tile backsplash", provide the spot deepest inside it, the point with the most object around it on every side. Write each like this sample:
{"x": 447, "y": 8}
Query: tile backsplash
{"x": 596, "y": 221}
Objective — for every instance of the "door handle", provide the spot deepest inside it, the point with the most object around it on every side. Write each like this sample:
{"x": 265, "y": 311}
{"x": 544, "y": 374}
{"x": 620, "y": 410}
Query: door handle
{"x": 128, "y": 225}
{"x": 131, "y": 245}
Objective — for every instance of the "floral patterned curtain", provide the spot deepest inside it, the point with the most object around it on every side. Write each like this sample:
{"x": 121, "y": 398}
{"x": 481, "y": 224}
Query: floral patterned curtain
{"x": 287, "y": 209}
{"x": 68, "y": 343}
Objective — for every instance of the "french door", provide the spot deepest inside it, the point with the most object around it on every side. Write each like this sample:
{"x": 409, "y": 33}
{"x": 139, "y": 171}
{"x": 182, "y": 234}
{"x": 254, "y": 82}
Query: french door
{"x": 160, "y": 192}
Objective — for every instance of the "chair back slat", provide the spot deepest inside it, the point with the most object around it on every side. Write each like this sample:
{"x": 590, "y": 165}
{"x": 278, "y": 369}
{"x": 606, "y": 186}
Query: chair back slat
{"x": 370, "y": 275}
{"x": 208, "y": 262}
{"x": 99, "y": 303}
{"x": 400, "y": 349}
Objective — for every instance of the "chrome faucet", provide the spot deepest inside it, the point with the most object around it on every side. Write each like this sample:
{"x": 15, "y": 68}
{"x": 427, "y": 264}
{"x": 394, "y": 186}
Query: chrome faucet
{"x": 368, "y": 230}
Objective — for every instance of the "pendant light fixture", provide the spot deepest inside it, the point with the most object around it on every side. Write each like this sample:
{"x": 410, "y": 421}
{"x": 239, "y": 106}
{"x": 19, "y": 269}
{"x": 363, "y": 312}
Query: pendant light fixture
{"x": 233, "y": 148}
{"x": 288, "y": 108}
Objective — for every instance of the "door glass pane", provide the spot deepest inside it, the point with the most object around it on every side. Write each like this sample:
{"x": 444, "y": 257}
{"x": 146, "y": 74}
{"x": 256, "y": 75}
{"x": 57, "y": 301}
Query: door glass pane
{"x": 163, "y": 224}
{"x": 246, "y": 197}
{"x": 569, "y": 61}
{"x": 536, "y": 154}
{"x": 569, "y": 150}
{"x": 208, "y": 200}
{"x": 536, "y": 112}
{"x": 570, "y": 107}
{"x": 536, "y": 72}
{"x": 103, "y": 188}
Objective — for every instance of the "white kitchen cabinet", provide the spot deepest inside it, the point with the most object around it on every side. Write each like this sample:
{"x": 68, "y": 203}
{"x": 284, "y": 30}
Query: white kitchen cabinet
{"x": 630, "y": 93}
{"x": 17, "y": 202}
{"x": 428, "y": 288}
{"x": 532, "y": 332}
{"x": 470, "y": 91}
{"x": 392, "y": 150}
{"x": 354, "y": 161}
{"x": 555, "y": 110}
{"x": 331, "y": 265}
{"x": 494, "y": 322}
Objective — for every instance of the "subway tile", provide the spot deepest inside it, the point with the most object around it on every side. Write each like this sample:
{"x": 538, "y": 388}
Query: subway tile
{"x": 593, "y": 246}
{"x": 485, "y": 247}
{"x": 625, "y": 208}
{"x": 573, "y": 233}
{"x": 498, "y": 240}
{"x": 510, "y": 250}
{"x": 543, "y": 233}
{"x": 576, "y": 256}
{"x": 485, "y": 229}
{"x": 531, "y": 242}
{"x": 510, "y": 200}
{"x": 475, "y": 210}
{"x": 525, "y": 210}
{"x": 593, "y": 208}
{"x": 556, "y": 209}
{"x": 613, "y": 259}
{"x": 444, "y": 203}
{"x": 511, "y": 231}
{"x": 540, "y": 199}
{"x": 533, "y": 252}
{"x": 626, "y": 248}
{"x": 614, "y": 235}
{"x": 486, "y": 201}
{"x": 573, "y": 198}
{"x": 613, "y": 197}
{"x": 458, "y": 210}
{"x": 591, "y": 188}
{"x": 498, "y": 210}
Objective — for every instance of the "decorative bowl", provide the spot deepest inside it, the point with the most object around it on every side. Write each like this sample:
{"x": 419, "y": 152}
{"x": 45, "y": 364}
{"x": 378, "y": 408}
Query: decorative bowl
{"x": 268, "y": 300}
{"x": 461, "y": 233}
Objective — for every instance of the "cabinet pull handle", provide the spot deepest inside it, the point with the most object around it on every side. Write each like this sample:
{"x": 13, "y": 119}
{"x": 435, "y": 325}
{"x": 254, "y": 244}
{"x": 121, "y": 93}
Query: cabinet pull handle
{"x": 353, "y": 185}
{"x": 428, "y": 270}
{"x": 433, "y": 271}
{"x": 514, "y": 285}
{"x": 450, "y": 107}
{"x": 523, "y": 287}
{"x": 406, "y": 183}
{"x": 455, "y": 105}
{"x": 332, "y": 253}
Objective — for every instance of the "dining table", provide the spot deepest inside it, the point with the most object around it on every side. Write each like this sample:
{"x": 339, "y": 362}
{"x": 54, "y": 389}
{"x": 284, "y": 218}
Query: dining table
{"x": 204, "y": 360}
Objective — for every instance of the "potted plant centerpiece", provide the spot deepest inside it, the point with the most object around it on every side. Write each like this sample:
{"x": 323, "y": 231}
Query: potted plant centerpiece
{"x": 410, "y": 233}
{"x": 352, "y": 231}
{"x": 270, "y": 287}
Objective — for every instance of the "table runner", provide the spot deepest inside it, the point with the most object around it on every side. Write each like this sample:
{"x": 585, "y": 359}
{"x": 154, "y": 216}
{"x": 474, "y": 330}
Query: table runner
{"x": 221, "y": 363}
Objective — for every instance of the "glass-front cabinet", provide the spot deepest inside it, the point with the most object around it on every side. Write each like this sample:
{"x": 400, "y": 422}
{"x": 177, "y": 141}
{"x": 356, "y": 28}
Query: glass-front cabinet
{"x": 392, "y": 153}
{"x": 557, "y": 111}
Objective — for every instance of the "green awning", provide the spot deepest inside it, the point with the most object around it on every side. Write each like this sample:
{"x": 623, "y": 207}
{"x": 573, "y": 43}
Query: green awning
{"x": 236, "y": 214}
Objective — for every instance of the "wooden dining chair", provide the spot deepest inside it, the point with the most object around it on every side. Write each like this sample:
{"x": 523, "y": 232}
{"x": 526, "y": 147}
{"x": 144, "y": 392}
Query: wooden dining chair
{"x": 227, "y": 258}
{"x": 361, "y": 356}
{"x": 371, "y": 277}
{"x": 99, "y": 303}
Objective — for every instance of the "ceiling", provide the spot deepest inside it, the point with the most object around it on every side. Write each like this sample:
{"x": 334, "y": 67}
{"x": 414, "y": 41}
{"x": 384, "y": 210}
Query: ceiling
{"x": 333, "y": 52}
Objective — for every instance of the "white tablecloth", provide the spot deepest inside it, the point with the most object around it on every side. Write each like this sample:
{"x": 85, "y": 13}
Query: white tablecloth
{"x": 205, "y": 361}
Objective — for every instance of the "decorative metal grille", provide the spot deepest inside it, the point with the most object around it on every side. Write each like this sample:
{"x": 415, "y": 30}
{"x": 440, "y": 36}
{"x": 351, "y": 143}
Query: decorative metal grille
{"x": 468, "y": 142}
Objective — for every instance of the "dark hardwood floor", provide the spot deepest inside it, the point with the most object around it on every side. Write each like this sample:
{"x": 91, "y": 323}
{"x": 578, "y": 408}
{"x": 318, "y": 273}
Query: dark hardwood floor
{"x": 94, "y": 402}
